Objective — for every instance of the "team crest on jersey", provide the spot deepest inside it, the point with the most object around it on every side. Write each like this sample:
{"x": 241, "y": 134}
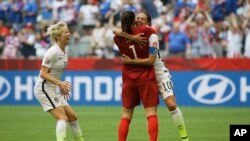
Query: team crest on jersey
{"x": 47, "y": 61}
{"x": 155, "y": 44}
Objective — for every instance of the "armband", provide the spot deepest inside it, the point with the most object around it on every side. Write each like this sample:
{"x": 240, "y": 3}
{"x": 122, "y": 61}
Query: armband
{"x": 152, "y": 50}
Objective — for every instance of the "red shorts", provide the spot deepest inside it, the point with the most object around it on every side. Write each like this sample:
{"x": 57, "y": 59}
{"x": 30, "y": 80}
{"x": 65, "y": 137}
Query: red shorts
{"x": 146, "y": 92}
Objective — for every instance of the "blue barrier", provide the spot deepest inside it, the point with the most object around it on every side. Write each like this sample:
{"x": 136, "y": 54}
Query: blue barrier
{"x": 192, "y": 88}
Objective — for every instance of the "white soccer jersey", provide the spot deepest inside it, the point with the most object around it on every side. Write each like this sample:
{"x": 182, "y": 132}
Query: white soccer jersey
{"x": 159, "y": 65}
{"x": 163, "y": 77}
{"x": 57, "y": 61}
{"x": 46, "y": 92}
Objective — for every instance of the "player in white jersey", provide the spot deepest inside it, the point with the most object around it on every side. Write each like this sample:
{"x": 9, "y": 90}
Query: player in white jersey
{"x": 50, "y": 91}
{"x": 163, "y": 77}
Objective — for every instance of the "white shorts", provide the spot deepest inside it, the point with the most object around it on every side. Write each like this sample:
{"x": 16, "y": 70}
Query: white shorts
{"x": 49, "y": 99}
{"x": 165, "y": 87}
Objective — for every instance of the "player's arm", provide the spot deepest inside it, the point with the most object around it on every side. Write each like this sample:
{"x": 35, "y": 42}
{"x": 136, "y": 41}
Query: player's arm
{"x": 47, "y": 62}
{"x": 153, "y": 45}
{"x": 138, "y": 38}
{"x": 64, "y": 86}
{"x": 143, "y": 62}
{"x": 46, "y": 75}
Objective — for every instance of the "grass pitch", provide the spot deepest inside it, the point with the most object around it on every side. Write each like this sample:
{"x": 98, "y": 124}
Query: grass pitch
{"x": 30, "y": 123}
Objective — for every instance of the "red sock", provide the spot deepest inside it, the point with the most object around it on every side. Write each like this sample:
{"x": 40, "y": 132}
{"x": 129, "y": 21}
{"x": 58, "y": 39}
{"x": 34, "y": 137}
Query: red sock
{"x": 123, "y": 129}
{"x": 153, "y": 127}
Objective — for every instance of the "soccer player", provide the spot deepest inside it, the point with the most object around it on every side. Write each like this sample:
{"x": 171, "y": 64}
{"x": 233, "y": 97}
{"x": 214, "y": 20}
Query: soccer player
{"x": 52, "y": 99}
{"x": 139, "y": 83}
{"x": 163, "y": 77}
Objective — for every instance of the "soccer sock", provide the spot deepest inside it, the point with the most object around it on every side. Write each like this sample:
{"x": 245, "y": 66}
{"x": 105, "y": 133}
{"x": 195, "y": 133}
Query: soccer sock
{"x": 179, "y": 122}
{"x": 76, "y": 131}
{"x": 123, "y": 129}
{"x": 153, "y": 127}
{"x": 61, "y": 130}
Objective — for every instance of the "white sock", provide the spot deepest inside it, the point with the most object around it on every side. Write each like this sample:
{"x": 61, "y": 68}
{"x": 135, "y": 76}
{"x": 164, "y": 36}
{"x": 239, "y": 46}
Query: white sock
{"x": 179, "y": 122}
{"x": 61, "y": 127}
{"x": 177, "y": 117}
{"x": 76, "y": 130}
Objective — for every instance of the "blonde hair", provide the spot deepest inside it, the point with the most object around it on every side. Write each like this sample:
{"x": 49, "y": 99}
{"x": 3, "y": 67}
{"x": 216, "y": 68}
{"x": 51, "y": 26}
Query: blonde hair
{"x": 55, "y": 30}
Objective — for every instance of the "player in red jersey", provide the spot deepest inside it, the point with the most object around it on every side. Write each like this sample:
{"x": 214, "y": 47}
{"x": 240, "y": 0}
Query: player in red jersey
{"x": 139, "y": 83}
{"x": 163, "y": 77}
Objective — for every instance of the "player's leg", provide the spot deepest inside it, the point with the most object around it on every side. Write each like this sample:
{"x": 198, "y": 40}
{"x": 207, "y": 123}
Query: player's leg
{"x": 165, "y": 87}
{"x": 130, "y": 99}
{"x": 73, "y": 123}
{"x": 176, "y": 116}
{"x": 61, "y": 126}
{"x": 153, "y": 128}
{"x": 51, "y": 103}
{"x": 150, "y": 100}
{"x": 123, "y": 127}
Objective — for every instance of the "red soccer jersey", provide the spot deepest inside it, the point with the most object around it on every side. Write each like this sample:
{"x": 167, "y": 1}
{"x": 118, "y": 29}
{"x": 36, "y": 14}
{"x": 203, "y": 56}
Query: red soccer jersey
{"x": 136, "y": 73}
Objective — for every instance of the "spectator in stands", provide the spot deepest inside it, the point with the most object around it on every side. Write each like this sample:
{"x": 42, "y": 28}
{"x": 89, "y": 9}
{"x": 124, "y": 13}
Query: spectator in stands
{"x": 11, "y": 45}
{"x": 208, "y": 35}
{"x": 128, "y": 5}
{"x": 246, "y": 29}
{"x": 101, "y": 39}
{"x": 14, "y": 13}
{"x": 114, "y": 25}
{"x": 186, "y": 4}
{"x": 242, "y": 8}
{"x": 27, "y": 39}
{"x": 40, "y": 45}
{"x": 68, "y": 13}
{"x": 178, "y": 43}
{"x": 203, "y": 5}
{"x": 234, "y": 38}
{"x": 159, "y": 6}
{"x": 218, "y": 10}
{"x": 55, "y": 5}
{"x": 3, "y": 10}
{"x": 4, "y": 31}
{"x": 201, "y": 46}
{"x": 46, "y": 10}
{"x": 116, "y": 6}
{"x": 105, "y": 10}
{"x": 231, "y": 6}
{"x": 182, "y": 17}
{"x": 80, "y": 44}
{"x": 30, "y": 11}
{"x": 218, "y": 37}
{"x": 88, "y": 15}
{"x": 148, "y": 5}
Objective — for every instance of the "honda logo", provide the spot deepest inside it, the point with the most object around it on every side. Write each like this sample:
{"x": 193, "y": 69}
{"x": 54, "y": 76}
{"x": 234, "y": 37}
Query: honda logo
{"x": 211, "y": 89}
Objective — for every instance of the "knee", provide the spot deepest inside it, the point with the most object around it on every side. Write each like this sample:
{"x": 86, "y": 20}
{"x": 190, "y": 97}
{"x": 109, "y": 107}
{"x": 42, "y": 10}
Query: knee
{"x": 127, "y": 116}
{"x": 151, "y": 111}
{"x": 171, "y": 105}
{"x": 62, "y": 117}
{"x": 72, "y": 117}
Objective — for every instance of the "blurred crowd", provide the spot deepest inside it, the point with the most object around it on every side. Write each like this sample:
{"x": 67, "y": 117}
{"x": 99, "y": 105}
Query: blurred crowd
{"x": 186, "y": 28}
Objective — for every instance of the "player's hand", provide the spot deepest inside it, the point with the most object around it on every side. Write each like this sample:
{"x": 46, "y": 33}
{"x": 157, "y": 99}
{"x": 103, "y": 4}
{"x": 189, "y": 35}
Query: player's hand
{"x": 125, "y": 59}
{"x": 65, "y": 88}
{"x": 66, "y": 95}
{"x": 139, "y": 39}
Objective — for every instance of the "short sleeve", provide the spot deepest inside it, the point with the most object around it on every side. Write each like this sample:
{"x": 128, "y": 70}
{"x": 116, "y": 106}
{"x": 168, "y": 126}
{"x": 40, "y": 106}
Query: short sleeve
{"x": 153, "y": 41}
{"x": 48, "y": 59}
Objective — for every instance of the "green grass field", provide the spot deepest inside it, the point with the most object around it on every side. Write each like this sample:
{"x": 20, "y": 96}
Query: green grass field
{"x": 30, "y": 123}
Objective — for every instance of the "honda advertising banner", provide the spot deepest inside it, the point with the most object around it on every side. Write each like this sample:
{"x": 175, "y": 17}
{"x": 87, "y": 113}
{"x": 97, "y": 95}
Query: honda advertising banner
{"x": 192, "y": 88}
